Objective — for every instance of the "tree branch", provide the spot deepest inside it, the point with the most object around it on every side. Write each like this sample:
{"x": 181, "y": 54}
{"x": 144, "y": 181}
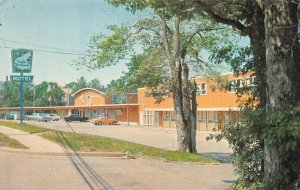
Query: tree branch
{"x": 176, "y": 36}
{"x": 165, "y": 34}
{"x": 206, "y": 6}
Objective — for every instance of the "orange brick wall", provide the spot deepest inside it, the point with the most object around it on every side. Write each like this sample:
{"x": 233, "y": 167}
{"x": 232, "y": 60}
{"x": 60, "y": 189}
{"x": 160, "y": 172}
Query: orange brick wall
{"x": 96, "y": 98}
{"x": 217, "y": 98}
{"x": 133, "y": 115}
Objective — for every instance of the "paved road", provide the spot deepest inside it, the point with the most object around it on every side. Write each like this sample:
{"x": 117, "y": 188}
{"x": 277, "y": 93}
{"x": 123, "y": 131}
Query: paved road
{"x": 32, "y": 172}
{"x": 156, "y": 137}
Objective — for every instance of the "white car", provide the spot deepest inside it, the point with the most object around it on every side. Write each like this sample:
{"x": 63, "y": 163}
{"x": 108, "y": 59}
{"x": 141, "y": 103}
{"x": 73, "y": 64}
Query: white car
{"x": 38, "y": 117}
{"x": 54, "y": 117}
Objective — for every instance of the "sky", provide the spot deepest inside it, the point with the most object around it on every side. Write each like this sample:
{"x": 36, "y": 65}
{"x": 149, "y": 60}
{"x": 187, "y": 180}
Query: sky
{"x": 61, "y": 26}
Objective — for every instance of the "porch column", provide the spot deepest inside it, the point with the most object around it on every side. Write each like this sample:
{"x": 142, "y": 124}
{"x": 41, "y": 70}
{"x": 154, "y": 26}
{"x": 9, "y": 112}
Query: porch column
{"x": 206, "y": 120}
{"x": 169, "y": 119}
{"x": 127, "y": 110}
{"x": 198, "y": 121}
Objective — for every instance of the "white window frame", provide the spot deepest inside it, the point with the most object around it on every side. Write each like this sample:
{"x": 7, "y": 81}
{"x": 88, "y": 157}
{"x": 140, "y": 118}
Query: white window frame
{"x": 232, "y": 86}
{"x": 200, "y": 90}
{"x": 233, "y": 83}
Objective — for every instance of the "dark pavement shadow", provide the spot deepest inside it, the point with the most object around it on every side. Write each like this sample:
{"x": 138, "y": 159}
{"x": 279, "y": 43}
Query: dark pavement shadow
{"x": 88, "y": 174}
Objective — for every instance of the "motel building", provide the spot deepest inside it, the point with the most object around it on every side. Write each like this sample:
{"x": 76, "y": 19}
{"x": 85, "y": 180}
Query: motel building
{"x": 215, "y": 105}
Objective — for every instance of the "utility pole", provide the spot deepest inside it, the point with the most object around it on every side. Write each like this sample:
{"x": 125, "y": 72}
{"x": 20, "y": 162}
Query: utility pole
{"x": 50, "y": 98}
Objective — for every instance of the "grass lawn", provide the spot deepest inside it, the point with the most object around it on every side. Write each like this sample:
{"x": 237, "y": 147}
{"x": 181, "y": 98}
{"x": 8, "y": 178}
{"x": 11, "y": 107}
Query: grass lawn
{"x": 90, "y": 143}
{"x": 11, "y": 143}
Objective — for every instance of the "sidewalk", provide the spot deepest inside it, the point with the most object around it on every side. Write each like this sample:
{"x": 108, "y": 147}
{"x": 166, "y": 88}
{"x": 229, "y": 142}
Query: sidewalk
{"x": 32, "y": 141}
{"x": 39, "y": 146}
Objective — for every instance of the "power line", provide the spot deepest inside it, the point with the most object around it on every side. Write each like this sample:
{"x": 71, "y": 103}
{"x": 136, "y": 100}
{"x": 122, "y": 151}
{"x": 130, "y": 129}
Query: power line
{"x": 49, "y": 51}
{"x": 48, "y": 47}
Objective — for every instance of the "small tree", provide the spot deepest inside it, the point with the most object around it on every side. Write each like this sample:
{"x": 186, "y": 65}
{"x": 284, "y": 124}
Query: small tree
{"x": 44, "y": 96}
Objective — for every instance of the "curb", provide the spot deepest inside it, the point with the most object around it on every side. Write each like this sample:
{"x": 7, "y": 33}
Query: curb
{"x": 88, "y": 154}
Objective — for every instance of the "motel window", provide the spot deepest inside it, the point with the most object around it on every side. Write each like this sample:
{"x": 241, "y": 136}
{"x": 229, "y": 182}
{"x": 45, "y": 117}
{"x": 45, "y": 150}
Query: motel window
{"x": 149, "y": 118}
{"x": 166, "y": 115}
{"x": 202, "y": 116}
{"x": 82, "y": 99}
{"x": 250, "y": 81}
{"x": 232, "y": 86}
{"x": 173, "y": 116}
{"x": 239, "y": 83}
{"x": 119, "y": 99}
{"x": 89, "y": 100}
{"x": 201, "y": 89}
{"x": 235, "y": 85}
{"x": 212, "y": 117}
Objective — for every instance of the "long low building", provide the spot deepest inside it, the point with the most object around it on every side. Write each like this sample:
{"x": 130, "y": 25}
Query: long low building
{"x": 215, "y": 105}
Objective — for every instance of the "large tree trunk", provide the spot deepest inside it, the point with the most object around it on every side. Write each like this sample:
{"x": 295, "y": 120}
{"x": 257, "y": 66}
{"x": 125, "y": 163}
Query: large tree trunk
{"x": 256, "y": 33}
{"x": 282, "y": 59}
{"x": 193, "y": 148}
{"x": 183, "y": 132}
{"x": 181, "y": 89}
{"x": 185, "y": 108}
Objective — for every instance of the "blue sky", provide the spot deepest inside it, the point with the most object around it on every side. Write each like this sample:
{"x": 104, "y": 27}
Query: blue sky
{"x": 66, "y": 25}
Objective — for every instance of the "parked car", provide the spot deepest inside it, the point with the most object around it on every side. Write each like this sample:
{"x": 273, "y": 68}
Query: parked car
{"x": 10, "y": 116}
{"x": 103, "y": 120}
{"x": 38, "y": 117}
{"x": 75, "y": 117}
{"x": 54, "y": 117}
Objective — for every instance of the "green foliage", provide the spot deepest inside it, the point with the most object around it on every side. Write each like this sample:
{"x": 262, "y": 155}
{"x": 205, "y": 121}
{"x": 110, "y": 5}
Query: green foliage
{"x": 44, "y": 96}
{"x": 24, "y": 127}
{"x": 106, "y": 50}
{"x": 96, "y": 84}
{"x": 91, "y": 143}
{"x": 141, "y": 43}
{"x": 11, "y": 143}
{"x": 283, "y": 129}
{"x": 279, "y": 129}
{"x": 240, "y": 58}
{"x": 184, "y": 8}
{"x": 80, "y": 84}
{"x": 247, "y": 156}
{"x": 143, "y": 70}
{"x": 10, "y": 94}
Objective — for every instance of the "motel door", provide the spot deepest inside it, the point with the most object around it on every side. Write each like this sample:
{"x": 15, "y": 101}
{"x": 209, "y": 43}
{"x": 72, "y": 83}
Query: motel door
{"x": 83, "y": 113}
{"x": 156, "y": 119}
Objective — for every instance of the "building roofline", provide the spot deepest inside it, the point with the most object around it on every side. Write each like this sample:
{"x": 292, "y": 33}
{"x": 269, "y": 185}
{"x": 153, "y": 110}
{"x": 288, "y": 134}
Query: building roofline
{"x": 66, "y": 107}
{"x": 198, "y": 109}
{"x": 87, "y": 89}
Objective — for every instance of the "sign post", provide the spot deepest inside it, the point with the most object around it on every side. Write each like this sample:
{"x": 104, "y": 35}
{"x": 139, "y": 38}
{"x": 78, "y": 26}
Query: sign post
{"x": 21, "y": 100}
{"x": 21, "y": 63}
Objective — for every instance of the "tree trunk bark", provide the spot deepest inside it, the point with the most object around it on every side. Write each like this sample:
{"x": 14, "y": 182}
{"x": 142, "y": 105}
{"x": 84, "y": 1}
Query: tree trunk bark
{"x": 181, "y": 124}
{"x": 193, "y": 148}
{"x": 282, "y": 60}
{"x": 185, "y": 116}
{"x": 257, "y": 40}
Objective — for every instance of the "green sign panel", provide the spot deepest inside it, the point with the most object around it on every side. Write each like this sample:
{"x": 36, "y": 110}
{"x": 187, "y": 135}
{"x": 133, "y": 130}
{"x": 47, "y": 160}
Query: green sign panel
{"x": 21, "y": 78}
{"x": 21, "y": 60}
